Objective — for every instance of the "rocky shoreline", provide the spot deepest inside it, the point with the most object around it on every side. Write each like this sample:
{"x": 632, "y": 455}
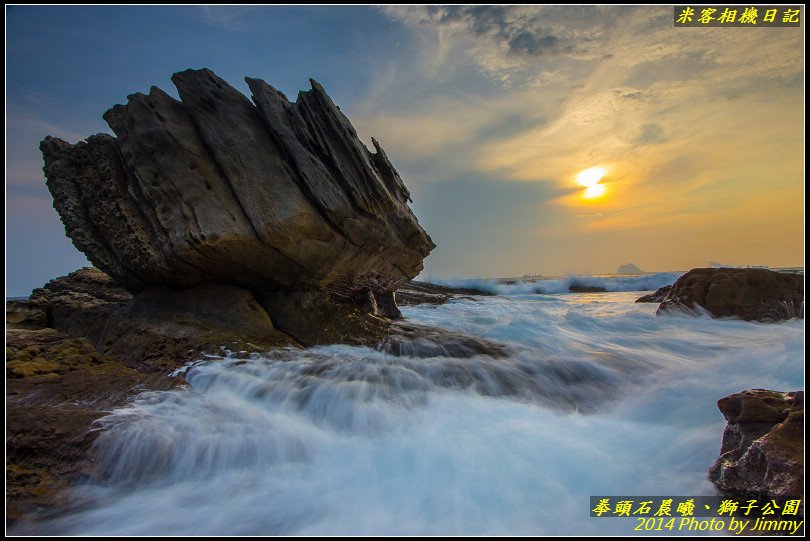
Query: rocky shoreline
{"x": 222, "y": 225}
{"x": 83, "y": 345}
{"x": 56, "y": 387}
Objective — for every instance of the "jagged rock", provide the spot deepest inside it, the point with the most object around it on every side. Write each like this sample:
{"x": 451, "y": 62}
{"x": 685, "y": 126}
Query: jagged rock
{"x": 763, "y": 445}
{"x": 87, "y": 285}
{"x": 658, "y": 296}
{"x": 270, "y": 197}
{"x": 751, "y": 294}
{"x": 387, "y": 305}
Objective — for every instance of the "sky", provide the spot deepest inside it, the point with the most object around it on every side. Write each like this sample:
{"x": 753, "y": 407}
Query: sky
{"x": 489, "y": 113}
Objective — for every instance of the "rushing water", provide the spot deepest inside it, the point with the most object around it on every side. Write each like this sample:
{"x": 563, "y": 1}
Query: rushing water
{"x": 598, "y": 396}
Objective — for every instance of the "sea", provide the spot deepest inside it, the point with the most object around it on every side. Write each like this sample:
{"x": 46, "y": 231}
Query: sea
{"x": 597, "y": 396}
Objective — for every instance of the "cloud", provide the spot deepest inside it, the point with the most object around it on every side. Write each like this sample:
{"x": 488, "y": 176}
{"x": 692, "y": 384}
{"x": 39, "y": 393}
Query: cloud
{"x": 26, "y": 126}
{"x": 28, "y": 121}
{"x": 230, "y": 18}
{"x": 651, "y": 134}
{"x": 527, "y": 31}
{"x": 689, "y": 124}
{"x": 641, "y": 39}
{"x": 531, "y": 44}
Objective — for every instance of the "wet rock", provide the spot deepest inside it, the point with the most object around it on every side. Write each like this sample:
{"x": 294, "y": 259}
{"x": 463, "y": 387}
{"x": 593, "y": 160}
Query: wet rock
{"x": 386, "y": 305}
{"x": 578, "y": 288}
{"x": 762, "y": 454}
{"x": 416, "y": 292}
{"x": 314, "y": 319}
{"x": 750, "y": 294}
{"x": 658, "y": 296}
{"x": 409, "y": 340}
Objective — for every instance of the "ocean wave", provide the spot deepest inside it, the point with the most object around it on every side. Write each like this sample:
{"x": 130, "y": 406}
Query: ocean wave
{"x": 596, "y": 396}
{"x": 555, "y": 285}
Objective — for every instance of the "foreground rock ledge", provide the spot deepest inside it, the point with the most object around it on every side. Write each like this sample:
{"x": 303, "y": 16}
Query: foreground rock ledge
{"x": 763, "y": 445}
{"x": 83, "y": 345}
{"x": 56, "y": 387}
{"x": 279, "y": 198}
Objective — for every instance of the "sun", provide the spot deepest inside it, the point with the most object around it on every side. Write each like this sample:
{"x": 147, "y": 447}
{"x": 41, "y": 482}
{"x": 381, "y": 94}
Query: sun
{"x": 592, "y": 192}
{"x": 591, "y": 176}
{"x": 589, "y": 179}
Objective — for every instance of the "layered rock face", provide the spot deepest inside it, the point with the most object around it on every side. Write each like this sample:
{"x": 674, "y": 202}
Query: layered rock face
{"x": 763, "y": 445}
{"x": 268, "y": 195}
{"x": 159, "y": 327}
{"x": 751, "y": 294}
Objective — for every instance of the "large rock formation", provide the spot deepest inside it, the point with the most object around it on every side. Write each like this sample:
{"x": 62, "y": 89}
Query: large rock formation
{"x": 751, "y": 294}
{"x": 763, "y": 445}
{"x": 268, "y": 195}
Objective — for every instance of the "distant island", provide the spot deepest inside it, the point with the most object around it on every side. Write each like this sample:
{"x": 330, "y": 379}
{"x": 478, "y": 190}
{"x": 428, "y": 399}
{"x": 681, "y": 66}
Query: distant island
{"x": 630, "y": 268}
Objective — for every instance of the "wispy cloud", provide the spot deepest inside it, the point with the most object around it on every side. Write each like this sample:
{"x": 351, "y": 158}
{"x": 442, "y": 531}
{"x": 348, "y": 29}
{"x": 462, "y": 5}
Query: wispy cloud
{"x": 230, "y": 18}
{"x": 25, "y": 180}
{"x": 29, "y": 121}
{"x": 489, "y": 112}
{"x": 693, "y": 125}
{"x": 616, "y": 86}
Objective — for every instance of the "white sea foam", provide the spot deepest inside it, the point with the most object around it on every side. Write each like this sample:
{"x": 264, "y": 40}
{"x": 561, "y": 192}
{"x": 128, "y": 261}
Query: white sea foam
{"x": 613, "y": 283}
{"x": 598, "y": 397}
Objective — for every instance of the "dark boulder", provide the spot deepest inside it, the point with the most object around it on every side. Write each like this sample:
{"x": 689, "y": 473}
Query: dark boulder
{"x": 750, "y": 294}
{"x": 579, "y": 288}
{"x": 160, "y": 328}
{"x": 762, "y": 454}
